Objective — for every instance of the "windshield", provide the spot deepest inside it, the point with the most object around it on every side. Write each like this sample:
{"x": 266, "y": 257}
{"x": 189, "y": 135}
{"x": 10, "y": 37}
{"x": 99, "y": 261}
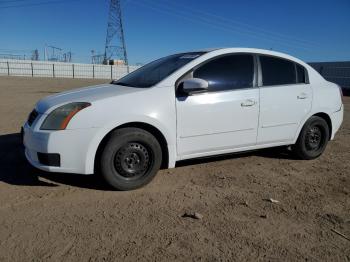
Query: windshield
{"x": 156, "y": 71}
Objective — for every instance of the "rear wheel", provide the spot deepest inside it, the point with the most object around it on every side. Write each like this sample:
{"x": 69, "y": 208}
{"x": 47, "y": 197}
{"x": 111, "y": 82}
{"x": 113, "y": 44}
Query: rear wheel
{"x": 312, "y": 139}
{"x": 130, "y": 159}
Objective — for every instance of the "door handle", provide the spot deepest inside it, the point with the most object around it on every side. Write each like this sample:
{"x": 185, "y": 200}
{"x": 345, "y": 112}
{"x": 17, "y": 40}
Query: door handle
{"x": 248, "y": 102}
{"x": 302, "y": 96}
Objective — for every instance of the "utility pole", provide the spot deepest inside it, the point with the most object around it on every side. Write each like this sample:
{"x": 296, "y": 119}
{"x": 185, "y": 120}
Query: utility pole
{"x": 115, "y": 43}
{"x": 92, "y": 56}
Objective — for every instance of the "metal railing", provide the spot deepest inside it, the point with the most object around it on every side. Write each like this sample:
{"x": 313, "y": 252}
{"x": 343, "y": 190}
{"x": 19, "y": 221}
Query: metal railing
{"x": 65, "y": 70}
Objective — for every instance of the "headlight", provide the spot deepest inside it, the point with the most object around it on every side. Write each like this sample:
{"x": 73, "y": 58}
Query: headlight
{"x": 59, "y": 118}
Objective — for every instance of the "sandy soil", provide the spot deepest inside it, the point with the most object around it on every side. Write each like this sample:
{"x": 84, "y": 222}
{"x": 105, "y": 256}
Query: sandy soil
{"x": 63, "y": 217}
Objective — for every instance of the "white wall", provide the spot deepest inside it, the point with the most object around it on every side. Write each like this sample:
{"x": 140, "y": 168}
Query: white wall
{"x": 58, "y": 69}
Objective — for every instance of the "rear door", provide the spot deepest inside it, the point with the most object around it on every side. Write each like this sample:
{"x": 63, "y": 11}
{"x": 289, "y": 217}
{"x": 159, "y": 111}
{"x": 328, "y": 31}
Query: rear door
{"x": 285, "y": 99}
{"x": 226, "y": 116}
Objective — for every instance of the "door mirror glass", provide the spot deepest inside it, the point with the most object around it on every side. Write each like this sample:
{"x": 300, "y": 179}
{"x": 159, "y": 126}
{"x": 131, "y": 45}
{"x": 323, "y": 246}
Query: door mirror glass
{"x": 194, "y": 85}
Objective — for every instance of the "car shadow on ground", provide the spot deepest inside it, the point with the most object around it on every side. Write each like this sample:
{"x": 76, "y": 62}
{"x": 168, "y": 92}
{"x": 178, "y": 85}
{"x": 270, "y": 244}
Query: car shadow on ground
{"x": 15, "y": 170}
{"x": 275, "y": 153}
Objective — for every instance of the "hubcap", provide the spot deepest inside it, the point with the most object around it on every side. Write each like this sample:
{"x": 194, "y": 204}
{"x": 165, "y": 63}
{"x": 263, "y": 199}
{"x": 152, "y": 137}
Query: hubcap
{"x": 132, "y": 160}
{"x": 313, "y": 138}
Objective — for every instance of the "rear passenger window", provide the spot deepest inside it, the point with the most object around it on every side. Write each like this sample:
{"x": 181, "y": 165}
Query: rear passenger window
{"x": 300, "y": 74}
{"x": 277, "y": 71}
{"x": 227, "y": 72}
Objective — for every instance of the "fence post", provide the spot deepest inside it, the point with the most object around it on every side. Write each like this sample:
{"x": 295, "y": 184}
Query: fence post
{"x": 73, "y": 70}
{"x": 8, "y": 68}
{"x": 111, "y": 72}
{"x": 93, "y": 71}
{"x": 53, "y": 70}
{"x": 32, "y": 69}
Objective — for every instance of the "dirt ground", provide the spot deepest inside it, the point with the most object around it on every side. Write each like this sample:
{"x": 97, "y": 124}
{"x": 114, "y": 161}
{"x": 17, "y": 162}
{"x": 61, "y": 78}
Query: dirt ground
{"x": 64, "y": 217}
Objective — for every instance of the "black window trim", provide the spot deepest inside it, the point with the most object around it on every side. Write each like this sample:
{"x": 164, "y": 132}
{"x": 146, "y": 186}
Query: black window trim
{"x": 190, "y": 71}
{"x": 306, "y": 75}
{"x": 260, "y": 78}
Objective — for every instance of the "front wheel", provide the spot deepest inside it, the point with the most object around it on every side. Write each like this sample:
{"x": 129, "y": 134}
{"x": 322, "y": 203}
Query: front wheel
{"x": 312, "y": 139}
{"x": 130, "y": 159}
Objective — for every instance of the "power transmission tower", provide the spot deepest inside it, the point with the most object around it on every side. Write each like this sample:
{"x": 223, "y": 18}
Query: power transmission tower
{"x": 96, "y": 58}
{"x": 35, "y": 55}
{"x": 67, "y": 57}
{"x": 55, "y": 54}
{"x": 115, "y": 42}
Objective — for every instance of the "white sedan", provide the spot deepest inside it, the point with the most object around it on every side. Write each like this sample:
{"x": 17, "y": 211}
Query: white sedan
{"x": 184, "y": 106}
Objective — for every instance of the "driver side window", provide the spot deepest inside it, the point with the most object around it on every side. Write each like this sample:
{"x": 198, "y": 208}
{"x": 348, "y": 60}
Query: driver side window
{"x": 227, "y": 72}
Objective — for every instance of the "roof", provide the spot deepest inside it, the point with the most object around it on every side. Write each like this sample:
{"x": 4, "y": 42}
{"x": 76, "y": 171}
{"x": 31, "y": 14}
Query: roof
{"x": 246, "y": 50}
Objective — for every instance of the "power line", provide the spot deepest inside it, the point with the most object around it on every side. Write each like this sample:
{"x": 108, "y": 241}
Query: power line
{"x": 36, "y": 4}
{"x": 219, "y": 25}
{"x": 14, "y": 50}
{"x": 126, "y": 2}
{"x": 12, "y": 1}
{"x": 241, "y": 24}
{"x": 236, "y": 29}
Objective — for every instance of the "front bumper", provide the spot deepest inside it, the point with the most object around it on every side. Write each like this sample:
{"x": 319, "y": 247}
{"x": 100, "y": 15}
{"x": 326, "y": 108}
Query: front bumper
{"x": 71, "y": 145}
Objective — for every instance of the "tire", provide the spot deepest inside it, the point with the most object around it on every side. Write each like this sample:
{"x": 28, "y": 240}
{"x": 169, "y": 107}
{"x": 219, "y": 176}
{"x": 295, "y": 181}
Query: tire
{"x": 312, "y": 139}
{"x": 130, "y": 159}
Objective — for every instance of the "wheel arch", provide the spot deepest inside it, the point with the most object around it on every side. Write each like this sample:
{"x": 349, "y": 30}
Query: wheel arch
{"x": 321, "y": 114}
{"x": 328, "y": 120}
{"x": 145, "y": 126}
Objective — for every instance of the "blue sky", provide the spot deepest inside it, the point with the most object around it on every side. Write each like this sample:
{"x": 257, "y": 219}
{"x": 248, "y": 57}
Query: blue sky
{"x": 311, "y": 30}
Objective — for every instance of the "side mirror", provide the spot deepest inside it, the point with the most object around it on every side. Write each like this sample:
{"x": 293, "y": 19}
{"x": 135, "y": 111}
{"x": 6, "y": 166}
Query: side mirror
{"x": 194, "y": 85}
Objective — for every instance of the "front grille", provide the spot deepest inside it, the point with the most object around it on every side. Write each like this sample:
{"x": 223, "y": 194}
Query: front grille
{"x": 32, "y": 116}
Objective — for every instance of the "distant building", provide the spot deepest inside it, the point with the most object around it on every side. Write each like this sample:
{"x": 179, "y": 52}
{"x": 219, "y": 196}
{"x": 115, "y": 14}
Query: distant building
{"x": 114, "y": 62}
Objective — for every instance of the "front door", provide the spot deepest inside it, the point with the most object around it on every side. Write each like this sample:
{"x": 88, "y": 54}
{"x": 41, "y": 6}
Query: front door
{"x": 226, "y": 116}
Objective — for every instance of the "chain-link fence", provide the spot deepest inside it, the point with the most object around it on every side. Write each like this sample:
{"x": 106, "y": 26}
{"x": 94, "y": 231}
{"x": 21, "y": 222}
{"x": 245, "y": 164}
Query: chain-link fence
{"x": 59, "y": 69}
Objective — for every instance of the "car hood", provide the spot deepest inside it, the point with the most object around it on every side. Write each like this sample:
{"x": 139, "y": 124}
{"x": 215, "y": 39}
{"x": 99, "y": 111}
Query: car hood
{"x": 86, "y": 94}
